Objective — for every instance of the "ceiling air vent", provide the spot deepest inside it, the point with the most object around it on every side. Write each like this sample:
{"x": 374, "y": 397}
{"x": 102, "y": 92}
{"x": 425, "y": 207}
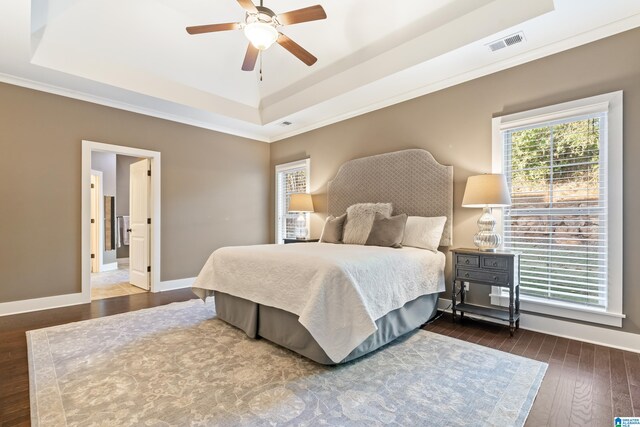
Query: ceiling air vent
{"x": 285, "y": 123}
{"x": 506, "y": 41}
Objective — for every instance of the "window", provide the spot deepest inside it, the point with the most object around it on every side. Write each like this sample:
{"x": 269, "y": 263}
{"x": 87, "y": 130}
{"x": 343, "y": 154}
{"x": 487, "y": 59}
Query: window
{"x": 290, "y": 178}
{"x": 564, "y": 169}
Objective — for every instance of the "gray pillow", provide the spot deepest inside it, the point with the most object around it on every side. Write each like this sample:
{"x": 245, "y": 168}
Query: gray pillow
{"x": 359, "y": 219}
{"x": 332, "y": 231}
{"x": 387, "y": 232}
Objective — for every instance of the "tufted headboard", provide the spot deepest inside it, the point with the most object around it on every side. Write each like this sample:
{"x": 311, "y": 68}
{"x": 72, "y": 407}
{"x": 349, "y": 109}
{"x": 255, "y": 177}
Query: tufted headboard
{"x": 411, "y": 180}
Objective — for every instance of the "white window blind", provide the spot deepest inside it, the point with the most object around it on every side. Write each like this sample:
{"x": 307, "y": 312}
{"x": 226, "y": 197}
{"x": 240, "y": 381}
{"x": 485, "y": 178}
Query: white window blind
{"x": 290, "y": 178}
{"x": 557, "y": 174}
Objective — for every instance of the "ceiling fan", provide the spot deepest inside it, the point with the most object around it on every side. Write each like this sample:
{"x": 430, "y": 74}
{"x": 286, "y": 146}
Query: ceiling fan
{"x": 261, "y": 28}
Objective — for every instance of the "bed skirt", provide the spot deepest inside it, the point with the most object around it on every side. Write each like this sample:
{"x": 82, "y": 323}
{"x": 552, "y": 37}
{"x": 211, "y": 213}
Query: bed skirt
{"x": 282, "y": 327}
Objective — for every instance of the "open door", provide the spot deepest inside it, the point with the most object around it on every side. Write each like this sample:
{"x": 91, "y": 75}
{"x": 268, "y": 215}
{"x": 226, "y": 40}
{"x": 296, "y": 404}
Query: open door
{"x": 140, "y": 220}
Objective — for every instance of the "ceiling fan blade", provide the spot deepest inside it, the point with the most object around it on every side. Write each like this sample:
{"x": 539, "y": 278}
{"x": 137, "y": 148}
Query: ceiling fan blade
{"x": 311, "y": 13}
{"x": 211, "y": 28}
{"x": 248, "y": 6}
{"x": 297, "y": 50}
{"x": 250, "y": 58}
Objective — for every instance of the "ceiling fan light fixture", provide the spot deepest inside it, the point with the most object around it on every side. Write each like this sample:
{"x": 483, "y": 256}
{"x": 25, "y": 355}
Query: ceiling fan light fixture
{"x": 261, "y": 35}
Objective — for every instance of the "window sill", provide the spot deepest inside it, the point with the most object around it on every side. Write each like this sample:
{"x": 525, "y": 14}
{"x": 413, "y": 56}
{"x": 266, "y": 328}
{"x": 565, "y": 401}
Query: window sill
{"x": 569, "y": 311}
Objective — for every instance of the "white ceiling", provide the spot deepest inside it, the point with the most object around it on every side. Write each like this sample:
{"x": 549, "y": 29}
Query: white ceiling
{"x": 137, "y": 56}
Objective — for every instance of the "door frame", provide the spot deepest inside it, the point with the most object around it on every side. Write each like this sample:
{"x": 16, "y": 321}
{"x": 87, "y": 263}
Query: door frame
{"x": 99, "y": 202}
{"x": 154, "y": 236}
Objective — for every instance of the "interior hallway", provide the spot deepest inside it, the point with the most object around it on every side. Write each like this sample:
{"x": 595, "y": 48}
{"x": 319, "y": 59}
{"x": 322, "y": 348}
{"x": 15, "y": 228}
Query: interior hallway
{"x": 113, "y": 283}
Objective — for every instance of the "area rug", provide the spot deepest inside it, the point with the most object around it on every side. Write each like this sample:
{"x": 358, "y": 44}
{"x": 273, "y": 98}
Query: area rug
{"x": 179, "y": 365}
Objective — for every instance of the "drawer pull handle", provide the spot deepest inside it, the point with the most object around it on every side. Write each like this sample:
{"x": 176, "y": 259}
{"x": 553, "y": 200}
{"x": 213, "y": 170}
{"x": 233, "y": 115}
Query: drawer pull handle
{"x": 495, "y": 278}
{"x": 495, "y": 263}
{"x": 466, "y": 261}
{"x": 466, "y": 274}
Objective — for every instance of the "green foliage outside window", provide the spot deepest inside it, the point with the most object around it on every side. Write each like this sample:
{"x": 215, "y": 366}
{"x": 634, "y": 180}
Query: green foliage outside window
{"x": 575, "y": 156}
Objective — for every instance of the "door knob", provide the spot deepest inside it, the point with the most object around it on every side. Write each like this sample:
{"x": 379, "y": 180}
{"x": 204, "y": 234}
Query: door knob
{"x": 128, "y": 230}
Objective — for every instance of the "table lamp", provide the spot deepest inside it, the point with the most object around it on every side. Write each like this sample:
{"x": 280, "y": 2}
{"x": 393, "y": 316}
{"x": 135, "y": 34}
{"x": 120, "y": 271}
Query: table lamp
{"x": 486, "y": 191}
{"x": 301, "y": 203}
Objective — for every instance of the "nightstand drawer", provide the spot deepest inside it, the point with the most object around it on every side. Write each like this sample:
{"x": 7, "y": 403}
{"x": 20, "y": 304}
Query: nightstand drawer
{"x": 495, "y": 263}
{"x": 468, "y": 260}
{"x": 483, "y": 276}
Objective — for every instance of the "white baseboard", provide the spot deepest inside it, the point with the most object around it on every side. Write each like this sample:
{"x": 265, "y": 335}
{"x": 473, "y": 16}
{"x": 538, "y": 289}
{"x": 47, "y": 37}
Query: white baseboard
{"x": 36, "y": 304}
{"x": 171, "y": 285}
{"x": 566, "y": 329}
{"x": 46, "y": 303}
{"x": 109, "y": 267}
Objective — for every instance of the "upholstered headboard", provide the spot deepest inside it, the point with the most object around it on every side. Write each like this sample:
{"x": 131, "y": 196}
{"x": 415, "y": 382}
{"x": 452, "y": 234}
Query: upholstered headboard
{"x": 411, "y": 180}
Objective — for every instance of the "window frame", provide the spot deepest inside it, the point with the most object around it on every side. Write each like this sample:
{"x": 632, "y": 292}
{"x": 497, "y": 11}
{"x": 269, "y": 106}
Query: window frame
{"x": 612, "y": 104}
{"x": 284, "y": 167}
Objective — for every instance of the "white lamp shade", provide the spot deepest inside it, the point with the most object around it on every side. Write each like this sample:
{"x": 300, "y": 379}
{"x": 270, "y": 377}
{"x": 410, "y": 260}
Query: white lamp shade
{"x": 261, "y": 35}
{"x": 301, "y": 202}
{"x": 488, "y": 190}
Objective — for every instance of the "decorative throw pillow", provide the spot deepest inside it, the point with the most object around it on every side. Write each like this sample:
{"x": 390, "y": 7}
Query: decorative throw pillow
{"x": 424, "y": 232}
{"x": 359, "y": 220}
{"x": 387, "y": 232}
{"x": 333, "y": 227}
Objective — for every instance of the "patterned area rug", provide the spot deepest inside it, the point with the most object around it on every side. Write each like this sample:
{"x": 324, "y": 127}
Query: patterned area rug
{"x": 179, "y": 365}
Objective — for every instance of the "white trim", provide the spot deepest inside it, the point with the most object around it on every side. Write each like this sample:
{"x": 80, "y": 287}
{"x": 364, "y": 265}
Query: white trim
{"x": 612, "y": 103}
{"x": 580, "y": 107}
{"x": 37, "y": 304}
{"x": 569, "y": 311}
{"x": 292, "y": 165}
{"x": 567, "y": 329}
{"x": 170, "y": 285}
{"x": 109, "y": 267}
{"x": 306, "y": 163}
{"x": 581, "y": 332}
{"x": 57, "y": 301}
{"x": 154, "y": 157}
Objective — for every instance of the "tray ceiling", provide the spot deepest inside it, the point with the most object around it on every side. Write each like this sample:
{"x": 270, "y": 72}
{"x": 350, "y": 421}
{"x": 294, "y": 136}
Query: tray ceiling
{"x": 138, "y": 56}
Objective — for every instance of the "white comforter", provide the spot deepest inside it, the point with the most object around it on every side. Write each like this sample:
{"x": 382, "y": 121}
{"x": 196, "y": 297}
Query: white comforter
{"x": 338, "y": 291}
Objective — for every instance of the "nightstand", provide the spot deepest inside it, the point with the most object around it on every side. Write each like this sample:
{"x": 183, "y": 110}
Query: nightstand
{"x": 491, "y": 269}
{"x": 300, "y": 240}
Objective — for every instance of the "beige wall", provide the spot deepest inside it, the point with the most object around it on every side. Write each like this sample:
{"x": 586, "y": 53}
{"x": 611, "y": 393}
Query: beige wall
{"x": 455, "y": 126}
{"x": 203, "y": 173}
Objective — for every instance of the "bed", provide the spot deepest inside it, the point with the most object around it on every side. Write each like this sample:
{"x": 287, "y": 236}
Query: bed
{"x": 333, "y": 303}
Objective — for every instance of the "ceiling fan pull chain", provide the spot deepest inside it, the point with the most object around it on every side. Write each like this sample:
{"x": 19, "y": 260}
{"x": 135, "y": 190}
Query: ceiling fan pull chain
{"x": 261, "y": 63}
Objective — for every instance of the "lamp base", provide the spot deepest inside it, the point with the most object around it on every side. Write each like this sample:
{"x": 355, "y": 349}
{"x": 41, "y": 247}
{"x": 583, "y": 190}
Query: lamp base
{"x": 301, "y": 227}
{"x": 486, "y": 239}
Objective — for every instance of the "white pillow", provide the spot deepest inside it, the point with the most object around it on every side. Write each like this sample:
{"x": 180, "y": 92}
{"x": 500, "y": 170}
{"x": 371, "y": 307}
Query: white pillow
{"x": 424, "y": 232}
{"x": 360, "y": 219}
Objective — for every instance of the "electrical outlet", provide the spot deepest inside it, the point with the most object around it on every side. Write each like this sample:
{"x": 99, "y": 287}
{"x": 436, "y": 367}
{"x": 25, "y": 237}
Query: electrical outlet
{"x": 466, "y": 286}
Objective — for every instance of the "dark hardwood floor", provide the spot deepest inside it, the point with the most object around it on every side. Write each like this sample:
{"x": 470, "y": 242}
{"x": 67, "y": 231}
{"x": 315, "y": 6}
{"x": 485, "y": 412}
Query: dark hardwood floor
{"x": 585, "y": 384}
{"x": 14, "y": 369}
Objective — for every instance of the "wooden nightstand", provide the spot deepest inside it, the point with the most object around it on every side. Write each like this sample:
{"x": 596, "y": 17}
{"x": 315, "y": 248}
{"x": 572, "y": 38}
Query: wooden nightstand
{"x": 300, "y": 240}
{"x": 487, "y": 268}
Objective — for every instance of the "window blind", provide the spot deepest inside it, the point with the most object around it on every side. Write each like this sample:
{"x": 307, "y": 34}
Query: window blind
{"x": 289, "y": 181}
{"x": 557, "y": 175}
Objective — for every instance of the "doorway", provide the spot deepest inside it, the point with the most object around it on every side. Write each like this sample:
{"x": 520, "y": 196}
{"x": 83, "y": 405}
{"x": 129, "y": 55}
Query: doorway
{"x": 120, "y": 221}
